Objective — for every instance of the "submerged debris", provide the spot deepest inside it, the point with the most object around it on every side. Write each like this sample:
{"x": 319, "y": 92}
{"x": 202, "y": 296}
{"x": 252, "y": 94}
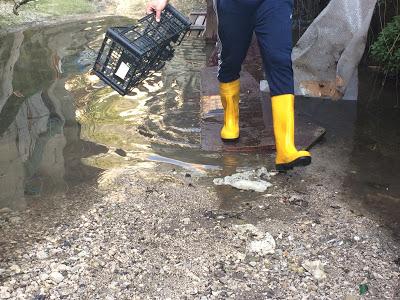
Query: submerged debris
{"x": 250, "y": 180}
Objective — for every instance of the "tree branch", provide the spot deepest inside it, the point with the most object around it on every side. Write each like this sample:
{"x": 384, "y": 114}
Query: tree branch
{"x": 17, "y": 4}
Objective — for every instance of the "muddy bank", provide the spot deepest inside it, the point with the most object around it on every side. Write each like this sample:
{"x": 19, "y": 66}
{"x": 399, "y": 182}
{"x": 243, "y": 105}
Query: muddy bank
{"x": 112, "y": 197}
{"x": 140, "y": 235}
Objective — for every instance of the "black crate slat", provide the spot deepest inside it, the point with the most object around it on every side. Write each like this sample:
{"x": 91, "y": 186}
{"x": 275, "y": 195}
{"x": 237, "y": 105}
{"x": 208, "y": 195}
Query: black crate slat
{"x": 134, "y": 52}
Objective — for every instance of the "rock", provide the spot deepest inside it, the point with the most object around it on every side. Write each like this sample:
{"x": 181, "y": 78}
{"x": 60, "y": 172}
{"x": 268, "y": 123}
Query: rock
{"x": 41, "y": 255}
{"x": 240, "y": 256}
{"x": 4, "y": 293}
{"x": 56, "y": 277}
{"x": 83, "y": 253}
{"x": 265, "y": 246}
{"x": 186, "y": 221}
{"x": 14, "y": 220}
{"x": 253, "y": 263}
{"x": 351, "y": 297}
{"x": 15, "y": 269}
{"x": 315, "y": 268}
{"x": 44, "y": 276}
{"x": 62, "y": 267}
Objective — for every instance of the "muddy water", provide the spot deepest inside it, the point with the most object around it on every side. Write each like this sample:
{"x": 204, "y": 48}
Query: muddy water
{"x": 61, "y": 126}
{"x": 361, "y": 151}
{"x": 373, "y": 173}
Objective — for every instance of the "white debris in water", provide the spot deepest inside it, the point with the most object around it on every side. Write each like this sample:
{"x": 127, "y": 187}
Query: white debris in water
{"x": 315, "y": 268}
{"x": 265, "y": 246}
{"x": 249, "y": 180}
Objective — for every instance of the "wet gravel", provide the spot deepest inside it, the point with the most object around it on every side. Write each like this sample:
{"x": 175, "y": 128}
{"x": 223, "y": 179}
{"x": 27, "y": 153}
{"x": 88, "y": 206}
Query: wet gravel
{"x": 144, "y": 235}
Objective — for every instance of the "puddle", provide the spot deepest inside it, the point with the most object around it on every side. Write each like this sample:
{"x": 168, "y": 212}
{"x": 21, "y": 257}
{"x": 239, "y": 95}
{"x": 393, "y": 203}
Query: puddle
{"x": 362, "y": 146}
{"x": 374, "y": 164}
{"x": 60, "y": 126}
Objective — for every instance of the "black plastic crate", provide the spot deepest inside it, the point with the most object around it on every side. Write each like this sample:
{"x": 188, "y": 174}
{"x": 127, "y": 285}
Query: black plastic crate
{"x": 129, "y": 54}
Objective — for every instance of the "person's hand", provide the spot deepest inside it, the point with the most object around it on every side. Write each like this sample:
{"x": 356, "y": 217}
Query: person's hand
{"x": 156, "y": 6}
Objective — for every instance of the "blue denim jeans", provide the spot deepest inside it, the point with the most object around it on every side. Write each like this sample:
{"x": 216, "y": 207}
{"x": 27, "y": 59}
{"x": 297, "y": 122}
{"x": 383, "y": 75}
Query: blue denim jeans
{"x": 271, "y": 21}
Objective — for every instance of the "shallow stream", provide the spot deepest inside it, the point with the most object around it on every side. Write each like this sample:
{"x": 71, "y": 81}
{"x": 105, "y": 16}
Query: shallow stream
{"x": 60, "y": 126}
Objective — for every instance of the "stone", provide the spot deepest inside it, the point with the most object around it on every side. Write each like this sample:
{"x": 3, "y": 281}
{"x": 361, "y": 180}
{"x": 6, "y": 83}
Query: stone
{"x": 253, "y": 263}
{"x": 15, "y": 220}
{"x": 186, "y": 221}
{"x": 4, "y": 293}
{"x": 351, "y": 297}
{"x": 264, "y": 246}
{"x": 57, "y": 277}
{"x": 44, "y": 276}
{"x": 15, "y": 269}
{"x": 41, "y": 255}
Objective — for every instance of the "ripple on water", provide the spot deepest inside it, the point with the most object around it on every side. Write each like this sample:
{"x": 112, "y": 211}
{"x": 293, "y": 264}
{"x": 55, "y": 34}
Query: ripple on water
{"x": 60, "y": 125}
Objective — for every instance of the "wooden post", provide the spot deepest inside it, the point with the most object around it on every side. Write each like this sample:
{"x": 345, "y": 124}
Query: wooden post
{"x": 211, "y": 27}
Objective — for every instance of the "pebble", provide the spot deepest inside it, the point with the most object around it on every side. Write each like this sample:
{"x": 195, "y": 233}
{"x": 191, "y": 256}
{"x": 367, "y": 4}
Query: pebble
{"x": 265, "y": 246}
{"x": 82, "y": 253}
{"x": 4, "y": 293}
{"x": 56, "y": 277}
{"x": 253, "y": 263}
{"x": 125, "y": 253}
{"x": 15, "y": 220}
{"x": 41, "y": 255}
{"x": 292, "y": 288}
{"x": 44, "y": 276}
{"x": 351, "y": 297}
{"x": 186, "y": 221}
{"x": 5, "y": 210}
{"x": 15, "y": 269}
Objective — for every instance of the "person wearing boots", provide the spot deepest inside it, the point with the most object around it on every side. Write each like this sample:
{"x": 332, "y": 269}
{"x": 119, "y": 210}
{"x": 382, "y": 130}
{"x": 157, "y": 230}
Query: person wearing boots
{"x": 271, "y": 21}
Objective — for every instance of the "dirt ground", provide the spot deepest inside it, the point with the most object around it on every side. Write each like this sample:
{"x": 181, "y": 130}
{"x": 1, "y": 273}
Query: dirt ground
{"x": 158, "y": 231}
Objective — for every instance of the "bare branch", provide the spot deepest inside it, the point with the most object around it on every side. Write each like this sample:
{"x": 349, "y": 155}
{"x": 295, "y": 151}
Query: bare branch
{"x": 17, "y": 4}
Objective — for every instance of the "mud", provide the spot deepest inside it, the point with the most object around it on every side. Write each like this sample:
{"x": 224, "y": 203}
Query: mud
{"x": 76, "y": 159}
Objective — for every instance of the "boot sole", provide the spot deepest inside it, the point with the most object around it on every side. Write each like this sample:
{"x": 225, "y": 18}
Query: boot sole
{"x": 299, "y": 162}
{"x": 230, "y": 140}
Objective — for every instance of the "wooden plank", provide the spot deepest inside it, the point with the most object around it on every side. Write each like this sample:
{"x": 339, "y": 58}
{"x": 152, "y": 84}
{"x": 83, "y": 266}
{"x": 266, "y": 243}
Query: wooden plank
{"x": 197, "y": 28}
{"x": 192, "y": 18}
{"x": 200, "y": 21}
{"x": 199, "y": 13}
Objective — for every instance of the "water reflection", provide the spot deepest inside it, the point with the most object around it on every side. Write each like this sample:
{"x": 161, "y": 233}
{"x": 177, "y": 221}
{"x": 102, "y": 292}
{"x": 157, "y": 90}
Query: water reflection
{"x": 40, "y": 145}
{"x": 60, "y": 125}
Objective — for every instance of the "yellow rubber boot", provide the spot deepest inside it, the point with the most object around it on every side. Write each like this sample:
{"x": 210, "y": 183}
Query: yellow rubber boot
{"x": 287, "y": 156}
{"x": 230, "y": 93}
